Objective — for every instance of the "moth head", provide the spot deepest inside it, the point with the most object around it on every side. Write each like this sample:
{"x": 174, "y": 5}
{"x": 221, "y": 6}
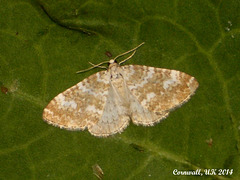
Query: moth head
{"x": 112, "y": 61}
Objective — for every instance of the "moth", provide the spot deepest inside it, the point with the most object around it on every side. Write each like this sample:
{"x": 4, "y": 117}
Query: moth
{"x": 105, "y": 102}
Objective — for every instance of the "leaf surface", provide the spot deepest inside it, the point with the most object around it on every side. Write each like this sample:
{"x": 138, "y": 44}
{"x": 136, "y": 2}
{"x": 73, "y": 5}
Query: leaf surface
{"x": 42, "y": 45}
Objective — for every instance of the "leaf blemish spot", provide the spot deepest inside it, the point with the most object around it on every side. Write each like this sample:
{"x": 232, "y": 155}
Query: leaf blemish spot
{"x": 4, "y": 90}
{"x": 108, "y": 54}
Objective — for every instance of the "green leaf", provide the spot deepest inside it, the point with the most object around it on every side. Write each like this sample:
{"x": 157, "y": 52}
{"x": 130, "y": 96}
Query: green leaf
{"x": 42, "y": 45}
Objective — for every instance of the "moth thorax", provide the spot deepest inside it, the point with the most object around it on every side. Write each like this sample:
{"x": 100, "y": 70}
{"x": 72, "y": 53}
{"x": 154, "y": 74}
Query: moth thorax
{"x": 115, "y": 71}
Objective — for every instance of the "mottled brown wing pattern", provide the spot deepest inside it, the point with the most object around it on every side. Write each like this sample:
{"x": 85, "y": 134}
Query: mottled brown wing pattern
{"x": 80, "y": 106}
{"x": 159, "y": 90}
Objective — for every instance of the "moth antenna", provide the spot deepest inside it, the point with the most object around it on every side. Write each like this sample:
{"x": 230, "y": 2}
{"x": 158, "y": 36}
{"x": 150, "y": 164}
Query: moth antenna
{"x": 128, "y": 57}
{"x": 128, "y": 51}
{"x": 103, "y": 67}
{"x": 99, "y": 65}
{"x": 94, "y": 66}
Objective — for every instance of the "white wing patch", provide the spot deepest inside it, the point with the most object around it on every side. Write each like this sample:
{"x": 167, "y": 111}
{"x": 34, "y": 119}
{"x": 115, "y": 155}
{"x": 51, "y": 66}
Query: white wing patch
{"x": 149, "y": 97}
{"x": 64, "y": 103}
